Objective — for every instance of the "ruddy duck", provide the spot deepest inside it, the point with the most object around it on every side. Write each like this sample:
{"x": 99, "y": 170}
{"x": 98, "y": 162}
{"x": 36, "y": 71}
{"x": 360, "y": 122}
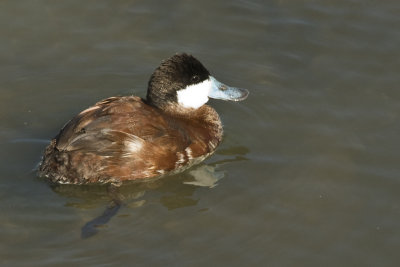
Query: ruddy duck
{"x": 128, "y": 138}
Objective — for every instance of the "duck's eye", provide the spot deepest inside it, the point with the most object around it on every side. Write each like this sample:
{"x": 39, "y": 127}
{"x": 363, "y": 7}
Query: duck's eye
{"x": 195, "y": 79}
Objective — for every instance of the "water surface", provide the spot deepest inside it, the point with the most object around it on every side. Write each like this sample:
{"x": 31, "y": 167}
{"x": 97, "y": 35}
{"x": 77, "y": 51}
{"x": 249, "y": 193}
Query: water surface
{"x": 307, "y": 174}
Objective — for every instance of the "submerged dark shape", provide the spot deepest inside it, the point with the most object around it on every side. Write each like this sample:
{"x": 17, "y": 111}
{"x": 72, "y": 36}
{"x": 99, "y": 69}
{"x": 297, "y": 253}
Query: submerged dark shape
{"x": 128, "y": 138}
{"x": 91, "y": 227}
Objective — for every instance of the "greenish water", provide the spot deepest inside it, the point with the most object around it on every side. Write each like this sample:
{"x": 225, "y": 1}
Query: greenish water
{"x": 307, "y": 175}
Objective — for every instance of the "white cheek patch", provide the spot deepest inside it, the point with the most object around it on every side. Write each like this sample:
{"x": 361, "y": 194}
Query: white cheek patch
{"x": 196, "y": 95}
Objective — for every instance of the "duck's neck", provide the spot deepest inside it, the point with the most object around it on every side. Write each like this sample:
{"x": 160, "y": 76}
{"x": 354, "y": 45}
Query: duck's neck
{"x": 211, "y": 118}
{"x": 204, "y": 120}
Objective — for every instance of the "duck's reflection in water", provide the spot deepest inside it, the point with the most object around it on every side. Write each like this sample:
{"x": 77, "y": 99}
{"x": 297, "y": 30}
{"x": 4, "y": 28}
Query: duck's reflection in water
{"x": 176, "y": 190}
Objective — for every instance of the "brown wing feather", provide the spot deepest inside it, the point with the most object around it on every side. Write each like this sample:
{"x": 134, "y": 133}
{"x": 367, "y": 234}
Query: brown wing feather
{"x": 94, "y": 145}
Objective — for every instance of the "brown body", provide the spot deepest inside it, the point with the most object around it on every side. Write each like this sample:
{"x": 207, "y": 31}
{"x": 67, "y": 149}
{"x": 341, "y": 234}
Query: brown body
{"x": 123, "y": 138}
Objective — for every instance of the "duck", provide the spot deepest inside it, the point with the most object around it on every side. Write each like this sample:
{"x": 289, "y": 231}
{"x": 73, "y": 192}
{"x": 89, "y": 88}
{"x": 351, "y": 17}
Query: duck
{"x": 126, "y": 138}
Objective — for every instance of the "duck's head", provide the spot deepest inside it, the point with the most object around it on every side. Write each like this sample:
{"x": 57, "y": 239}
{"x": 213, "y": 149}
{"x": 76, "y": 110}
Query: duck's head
{"x": 182, "y": 81}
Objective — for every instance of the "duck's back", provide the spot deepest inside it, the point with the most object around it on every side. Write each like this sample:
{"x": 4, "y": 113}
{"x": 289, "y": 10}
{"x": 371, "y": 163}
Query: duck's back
{"x": 123, "y": 138}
